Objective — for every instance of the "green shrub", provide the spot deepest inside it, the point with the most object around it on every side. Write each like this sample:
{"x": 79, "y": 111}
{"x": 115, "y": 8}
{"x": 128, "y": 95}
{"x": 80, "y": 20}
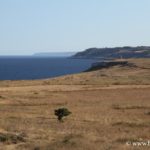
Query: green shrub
{"x": 61, "y": 112}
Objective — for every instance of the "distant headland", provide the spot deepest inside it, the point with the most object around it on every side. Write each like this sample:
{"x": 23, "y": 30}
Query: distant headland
{"x": 116, "y": 52}
{"x": 54, "y": 54}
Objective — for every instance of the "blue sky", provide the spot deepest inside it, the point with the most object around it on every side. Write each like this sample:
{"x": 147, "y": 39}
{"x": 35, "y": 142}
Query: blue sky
{"x": 29, "y": 26}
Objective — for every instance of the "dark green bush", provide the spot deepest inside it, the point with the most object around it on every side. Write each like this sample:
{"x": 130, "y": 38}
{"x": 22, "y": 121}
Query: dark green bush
{"x": 61, "y": 112}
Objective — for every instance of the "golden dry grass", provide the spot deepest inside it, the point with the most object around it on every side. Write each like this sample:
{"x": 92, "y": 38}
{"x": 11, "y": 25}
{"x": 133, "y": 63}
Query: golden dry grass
{"x": 104, "y": 115}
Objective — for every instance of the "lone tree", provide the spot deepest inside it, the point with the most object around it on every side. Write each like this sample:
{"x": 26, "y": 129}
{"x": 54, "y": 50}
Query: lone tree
{"x": 61, "y": 112}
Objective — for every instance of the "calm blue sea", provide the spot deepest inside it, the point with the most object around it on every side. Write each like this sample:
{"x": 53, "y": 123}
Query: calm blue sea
{"x": 23, "y": 68}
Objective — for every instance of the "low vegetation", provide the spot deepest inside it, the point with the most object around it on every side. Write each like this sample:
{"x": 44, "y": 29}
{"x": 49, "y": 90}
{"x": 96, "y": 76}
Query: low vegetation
{"x": 130, "y": 107}
{"x": 9, "y": 138}
{"x": 61, "y": 113}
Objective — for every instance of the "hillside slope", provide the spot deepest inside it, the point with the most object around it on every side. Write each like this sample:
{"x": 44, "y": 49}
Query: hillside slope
{"x": 137, "y": 71}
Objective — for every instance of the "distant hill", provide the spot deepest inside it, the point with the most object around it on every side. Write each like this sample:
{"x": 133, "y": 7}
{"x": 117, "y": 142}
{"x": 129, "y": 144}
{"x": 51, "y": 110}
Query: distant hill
{"x": 117, "y": 52}
{"x": 55, "y": 54}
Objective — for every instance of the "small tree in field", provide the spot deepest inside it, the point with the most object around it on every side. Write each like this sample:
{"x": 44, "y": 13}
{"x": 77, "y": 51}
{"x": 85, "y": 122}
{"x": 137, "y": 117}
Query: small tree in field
{"x": 61, "y": 112}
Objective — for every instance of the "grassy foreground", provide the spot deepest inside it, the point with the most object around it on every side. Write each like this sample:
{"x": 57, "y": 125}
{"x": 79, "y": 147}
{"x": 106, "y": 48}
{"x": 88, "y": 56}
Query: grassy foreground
{"x": 110, "y": 109}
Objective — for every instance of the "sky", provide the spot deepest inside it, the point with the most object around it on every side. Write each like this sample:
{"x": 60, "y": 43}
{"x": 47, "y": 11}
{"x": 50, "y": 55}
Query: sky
{"x": 31, "y": 26}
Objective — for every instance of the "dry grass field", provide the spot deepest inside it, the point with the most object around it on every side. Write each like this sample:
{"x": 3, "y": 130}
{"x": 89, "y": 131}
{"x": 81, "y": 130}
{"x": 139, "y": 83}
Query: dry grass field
{"x": 110, "y": 111}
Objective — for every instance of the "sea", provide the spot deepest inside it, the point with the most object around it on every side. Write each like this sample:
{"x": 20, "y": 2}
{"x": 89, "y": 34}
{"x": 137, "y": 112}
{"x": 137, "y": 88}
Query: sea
{"x": 30, "y": 68}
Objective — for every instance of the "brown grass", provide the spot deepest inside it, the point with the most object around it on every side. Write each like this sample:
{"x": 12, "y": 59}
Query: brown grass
{"x": 104, "y": 116}
{"x": 130, "y": 107}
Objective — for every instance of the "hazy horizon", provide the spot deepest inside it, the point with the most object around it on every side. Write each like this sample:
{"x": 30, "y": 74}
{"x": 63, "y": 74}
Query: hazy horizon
{"x": 42, "y": 53}
{"x": 36, "y": 26}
